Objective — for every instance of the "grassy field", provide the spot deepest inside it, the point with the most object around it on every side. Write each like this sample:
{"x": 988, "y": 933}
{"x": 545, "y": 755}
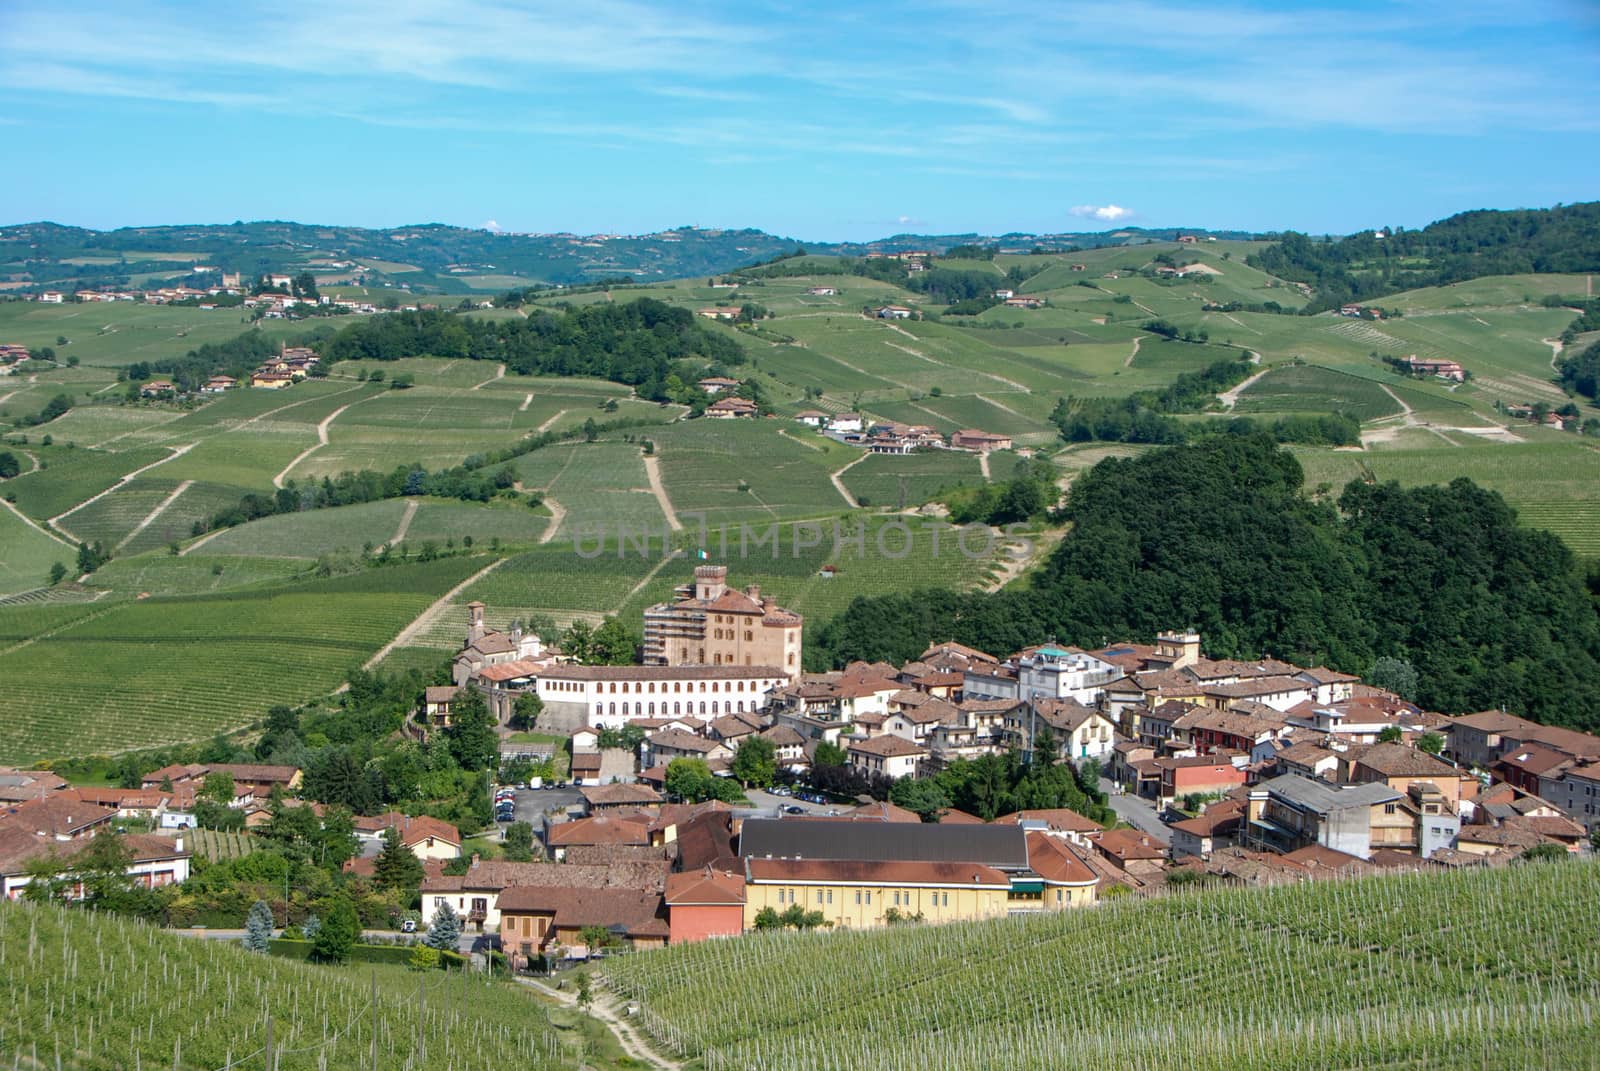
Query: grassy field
{"x": 26, "y": 555}
{"x": 185, "y": 667}
{"x": 169, "y": 1001}
{"x": 1311, "y": 389}
{"x": 1479, "y": 968}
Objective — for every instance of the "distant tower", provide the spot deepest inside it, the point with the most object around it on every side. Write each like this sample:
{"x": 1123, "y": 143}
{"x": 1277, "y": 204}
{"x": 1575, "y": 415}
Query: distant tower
{"x": 475, "y": 628}
{"x": 1183, "y": 648}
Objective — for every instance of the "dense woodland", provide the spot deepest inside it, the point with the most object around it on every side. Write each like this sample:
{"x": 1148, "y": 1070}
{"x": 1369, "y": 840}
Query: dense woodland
{"x": 634, "y": 342}
{"x": 1219, "y": 536}
{"x": 1561, "y": 239}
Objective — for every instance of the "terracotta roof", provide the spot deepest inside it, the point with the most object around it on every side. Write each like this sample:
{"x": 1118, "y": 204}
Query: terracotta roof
{"x": 660, "y": 673}
{"x": 884, "y": 812}
{"x": 951, "y": 647}
{"x": 875, "y": 872}
{"x": 440, "y": 693}
{"x": 56, "y": 816}
{"x": 887, "y": 746}
{"x": 1059, "y": 819}
{"x": 1400, "y": 760}
{"x": 1534, "y": 759}
{"x": 706, "y": 886}
{"x": 637, "y": 913}
{"x": 506, "y": 671}
{"x": 1051, "y": 859}
{"x": 255, "y": 773}
{"x": 1315, "y": 858}
{"x": 1126, "y": 844}
{"x": 679, "y": 740}
{"x": 783, "y": 736}
{"x": 492, "y": 875}
{"x": 952, "y": 816}
{"x": 611, "y": 795}
{"x": 598, "y": 830}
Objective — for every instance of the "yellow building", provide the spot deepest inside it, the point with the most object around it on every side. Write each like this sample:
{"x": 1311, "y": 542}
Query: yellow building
{"x": 710, "y": 624}
{"x": 856, "y": 894}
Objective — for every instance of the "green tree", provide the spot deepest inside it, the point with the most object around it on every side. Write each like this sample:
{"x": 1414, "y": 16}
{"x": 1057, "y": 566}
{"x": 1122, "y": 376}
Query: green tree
{"x": 58, "y": 573}
{"x": 922, "y": 796}
{"x": 519, "y": 842}
{"x": 423, "y": 958}
{"x": 337, "y": 935}
{"x": 218, "y": 787}
{"x": 755, "y": 763}
{"x": 525, "y": 711}
{"x": 258, "y": 927}
{"x": 1046, "y": 749}
{"x": 9, "y": 465}
{"x": 691, "y": 781}
{"x": 1430, "y": 743}
{"x": 829, "y": 755}
{"x": 1390, "y": 734}
{"x": 471, "y": 733}
{"x": 444, "y": 933}
{"x": 1394, "y": 674}
{"x": 397, "y": 866}
{"x": 45, "y": 883}
{"x": 1545, "y": 853}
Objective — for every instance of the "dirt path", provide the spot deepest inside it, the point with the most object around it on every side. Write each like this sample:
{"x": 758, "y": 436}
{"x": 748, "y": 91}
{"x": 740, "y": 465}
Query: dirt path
{"x": 1230, "y": 397}
{"x": 983, "y": 465}
{"x": 1014, "y": 565}
{"x": 29, "y": 521}
{"x": 425, "y": 619}
{"x": 499, "y": 373}
{"x": 322, "y": 440}
{"x": 652, "y": 469}
{"x": 1013, "y": 384}
{"x": 558, "y": 514}
{"x": 527, "y": 400}
{"x": 1555, "y": 344}
{"x": 809, "y": 446}
{"x": 55, "y": 522}
{"x": 1128, "y": 361}
{"x": 161, "y": 508}
{"x": 546, "y": 425}
{"x": 844, "y": 492}
{"x": 651, "y": 575}
{"x": 404, "y": 526}
{"x": 999, "y": 405}
{"x": 603, "y": 1008}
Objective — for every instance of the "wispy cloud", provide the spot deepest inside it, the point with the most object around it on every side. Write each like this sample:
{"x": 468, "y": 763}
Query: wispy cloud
{"x": 1105, "y": 213}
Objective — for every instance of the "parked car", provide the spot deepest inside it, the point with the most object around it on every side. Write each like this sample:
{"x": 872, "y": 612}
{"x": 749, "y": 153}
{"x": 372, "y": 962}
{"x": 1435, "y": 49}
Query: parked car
{"x": 792, "y": 809}
{"x": 408, "y": 925}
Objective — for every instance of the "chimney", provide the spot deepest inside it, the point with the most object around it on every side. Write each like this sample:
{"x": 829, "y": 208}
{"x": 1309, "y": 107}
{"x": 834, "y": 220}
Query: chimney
{"x": 754, "y": 591}
{"x": 475, "y": 858}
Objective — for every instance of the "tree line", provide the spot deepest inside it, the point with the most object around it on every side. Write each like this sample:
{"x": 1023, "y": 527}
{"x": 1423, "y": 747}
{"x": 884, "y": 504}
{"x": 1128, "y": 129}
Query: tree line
{"x": 1219, "y": 536}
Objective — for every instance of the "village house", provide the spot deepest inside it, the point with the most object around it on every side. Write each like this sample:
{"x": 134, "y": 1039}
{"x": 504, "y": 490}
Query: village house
{"x": 1214, "y": 828}
{"x": 1289, "y": 812}
{"x": 1080, "y": 732}
{"x": 546, "y": 921}
{"x": 815, "y": 418}
{"x": 219, "y": 385}
{"x": 153, "y": 861}
{"x": 704, "y": 903}
{"x": 845, "y": 423}
{"x": 720, "y": 312}
{"x": 604, "y": 829}
{"x": 887, "y": 755}
{"x": 1201, "y": 775}
{"x": 1045, "y": 672}
{"x": 893, "y": 312}
{"x": 661, "y": 748}
{"x": 1576, "y": 790}
{"x": 51, "y": 297}
{"x": 1023, "y": 301}
{"x": 427, "y": 837}
{"x": 823, "y": 291}
{"x": 718, "y": 384}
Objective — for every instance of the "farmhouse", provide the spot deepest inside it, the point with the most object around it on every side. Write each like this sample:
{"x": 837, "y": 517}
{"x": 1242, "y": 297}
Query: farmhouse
{"x": 1430, "y": 366}
{"x": 709, "y": 623}
{"x": 845, "y": 423}
{"x": 219, "y": 384}
{"x": 720, "y": 312}
{"x": 157, "y": 388}
{"x": 1023, "y": 302}
{"x": 893, "y": 312}
{"x": 153, "y": 861}
{"x": 813, "y": 417}
{"x": 732, "y": 409}
{"x": 716, "y": 384}
{"x": 475, "y": 895}
{"x": 548, "y": 921}
{"x": 51, "y": 297}
{"x": 979, "y": 441}
{"x": 823, "y": 291}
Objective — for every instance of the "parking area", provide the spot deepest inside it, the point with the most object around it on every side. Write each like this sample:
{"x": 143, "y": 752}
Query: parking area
{"x": 532, "y": 804}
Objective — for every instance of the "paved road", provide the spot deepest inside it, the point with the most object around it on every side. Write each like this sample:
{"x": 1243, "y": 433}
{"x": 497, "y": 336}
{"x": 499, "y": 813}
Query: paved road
{"x": 1138, "y": 813}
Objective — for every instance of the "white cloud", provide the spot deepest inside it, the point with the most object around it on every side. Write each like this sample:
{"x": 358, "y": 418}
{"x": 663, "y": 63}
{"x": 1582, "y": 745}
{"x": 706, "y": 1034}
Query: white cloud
{"x": 1108, "y": 213}
{"x": 491, "y": 225}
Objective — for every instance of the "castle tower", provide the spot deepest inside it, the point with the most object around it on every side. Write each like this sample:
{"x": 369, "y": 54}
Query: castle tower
{"x": 710, "y": 581}
{"x": 475, "y": 628}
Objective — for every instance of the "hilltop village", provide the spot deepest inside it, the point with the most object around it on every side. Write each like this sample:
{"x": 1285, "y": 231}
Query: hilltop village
{"x": 720, "y": 789}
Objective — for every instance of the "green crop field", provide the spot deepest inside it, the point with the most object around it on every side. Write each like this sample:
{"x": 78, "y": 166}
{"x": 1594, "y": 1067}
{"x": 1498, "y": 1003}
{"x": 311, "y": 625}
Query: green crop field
{"x": 312, "y": 533}
{"x": 73, "y": 476}
{"x": 1478, "y": 968}
{"x": 180, "y": 668}
{"x": 26, "y": 555}
{"x": 167, "y": 1001}
{"x": 1311, "y": 389}
{"x": 911, "y": 479}
{"x": 117, "y": 334}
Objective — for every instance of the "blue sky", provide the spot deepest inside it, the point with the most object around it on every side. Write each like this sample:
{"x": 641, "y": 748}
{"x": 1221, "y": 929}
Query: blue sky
{"x": 815, "y": 119}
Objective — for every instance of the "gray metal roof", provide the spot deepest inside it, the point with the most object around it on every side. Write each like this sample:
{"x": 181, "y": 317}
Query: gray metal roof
{"x": 1002, "y": 847}
{"x": 1322, "y": 797}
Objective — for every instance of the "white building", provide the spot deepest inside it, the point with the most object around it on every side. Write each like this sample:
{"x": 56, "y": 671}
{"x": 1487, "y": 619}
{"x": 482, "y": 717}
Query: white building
{"x": 608, "y": 696}
{"x": 1047, "y": 672}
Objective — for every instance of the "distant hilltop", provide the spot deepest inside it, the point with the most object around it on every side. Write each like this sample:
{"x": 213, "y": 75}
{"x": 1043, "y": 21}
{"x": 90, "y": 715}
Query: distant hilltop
{"x": 435, "y": 258}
